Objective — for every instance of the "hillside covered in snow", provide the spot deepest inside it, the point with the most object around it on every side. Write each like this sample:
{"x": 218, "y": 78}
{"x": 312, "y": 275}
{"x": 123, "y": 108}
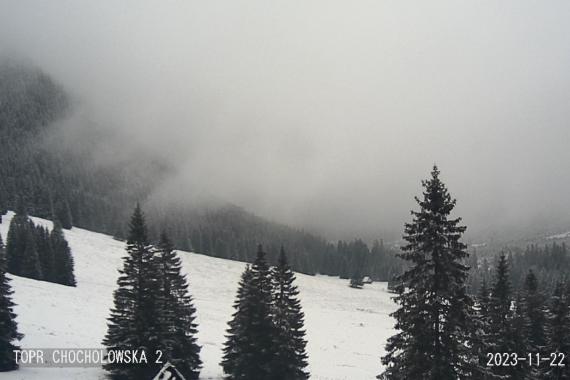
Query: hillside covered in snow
{"x": 346, "y": 328}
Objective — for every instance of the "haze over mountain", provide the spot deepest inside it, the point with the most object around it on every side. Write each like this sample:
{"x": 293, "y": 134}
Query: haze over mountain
{"x": 323, "y": 115}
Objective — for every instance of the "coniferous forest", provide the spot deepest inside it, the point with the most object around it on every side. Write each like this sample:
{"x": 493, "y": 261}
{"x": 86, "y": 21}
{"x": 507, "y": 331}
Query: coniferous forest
{"x": 34, "y": 252}
{"x": 258, "y": 190}
{"x": 472, "y": 303}
{"x": 502, "y": 332}
{"x": 55, "y": 181}
{"x": 444, "y": 330}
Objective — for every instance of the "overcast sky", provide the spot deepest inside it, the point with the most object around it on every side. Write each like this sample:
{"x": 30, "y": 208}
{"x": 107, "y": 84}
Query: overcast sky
{"x": 326, "y": 114}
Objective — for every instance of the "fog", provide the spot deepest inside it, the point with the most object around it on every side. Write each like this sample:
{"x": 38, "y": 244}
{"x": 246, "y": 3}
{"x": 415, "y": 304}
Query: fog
{"x": 325, "y": 114}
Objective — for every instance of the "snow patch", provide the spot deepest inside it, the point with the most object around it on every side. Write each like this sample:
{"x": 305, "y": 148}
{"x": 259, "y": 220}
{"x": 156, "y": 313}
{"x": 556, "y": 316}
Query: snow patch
{"x": 564, "y": 235}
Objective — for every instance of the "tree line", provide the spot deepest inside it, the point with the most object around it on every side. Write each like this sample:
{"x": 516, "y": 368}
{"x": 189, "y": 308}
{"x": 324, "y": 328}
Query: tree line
{"x": 531, "y": 323}
{"x": 550, "y": 264}
{"x": 442, "y": 331}
{"x": 34, "y": 252}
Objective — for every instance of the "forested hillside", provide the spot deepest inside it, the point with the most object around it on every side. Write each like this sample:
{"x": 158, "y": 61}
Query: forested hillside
{"x": 54, "y": 179}
{"x": 550, "y": 263}
{"x": 49, "y": 179}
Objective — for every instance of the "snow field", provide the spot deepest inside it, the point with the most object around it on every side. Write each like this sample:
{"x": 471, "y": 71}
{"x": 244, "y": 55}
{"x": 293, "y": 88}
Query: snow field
{"x": 346, "y": 328}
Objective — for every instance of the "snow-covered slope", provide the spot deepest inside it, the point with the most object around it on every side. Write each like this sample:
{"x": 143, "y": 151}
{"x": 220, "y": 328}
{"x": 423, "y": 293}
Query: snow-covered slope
{"x": 346, "y": 328}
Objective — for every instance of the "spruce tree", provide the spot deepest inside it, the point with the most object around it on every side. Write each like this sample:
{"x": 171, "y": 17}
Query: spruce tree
{"x": 24, "y": 242}
{"x": 63, "y": 265}
{"x": 16, "y": 241}
{"x": 356, "y": 279}
{"x": 291, "y": 359}
{"x": 8, "y": 326}
{"x": 232, "y": 346}
{"x": 517, "y": 336}
{"x": 62, "y": 213}
{"x": 559, "y": 333}
{"x": 31, "y": 267}
{"x": 506, "y": 331}
{"x": 481, "y": 337}
{"x": 433, "y": 320}
{"x": 535, "y": 312}
{"x": 177, "y": 314}
{"x": 45, "y": 253}
{"x": 133, "y": 323}
{"x": 250, "y": 346}
{"x": 500, "y": 308}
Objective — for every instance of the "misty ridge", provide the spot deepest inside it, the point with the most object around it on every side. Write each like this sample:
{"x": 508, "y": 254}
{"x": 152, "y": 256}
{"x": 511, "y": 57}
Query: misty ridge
{"x": 393, "y": 174}
{"x": 324, "y": 120}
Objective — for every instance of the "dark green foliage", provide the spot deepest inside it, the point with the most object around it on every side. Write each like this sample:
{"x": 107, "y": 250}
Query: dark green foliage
{"x": 535, "y": 312}
{"x": 35, "y": 253}
{"x": 31, "y": 99}
{"x": 523, "y": 325}
{"x": 291, "y": 358}
{"x": 62, "y": 214}
{"x": 30, "y": 264}
{"x": 506, "y": 326}
{"x": 232, "y": 347}
{"x": 384, "y": 263}
{"x": 434, "y": 317}
{"x": 481, "y": 336}
{"x": 53, "y": 178}
{"x": 559, "y": 331}
{"x": 8, "y": 326}
{"x": 45, "y": 253}
{"x": 176, "y": 313}
{"x": 62, "y": 258}
{"x": 500, "y": 309}
{"x": 355, "y": 259}
{"x": 517, "y": 336}
{"x": 549, "y": 263}
{"x": 16, "y": 242}
{"x": 356, "y": 281}
{"x": 133, "y": 323}
{"x": 249, "y": 352}
{"x": 358, "y": 261}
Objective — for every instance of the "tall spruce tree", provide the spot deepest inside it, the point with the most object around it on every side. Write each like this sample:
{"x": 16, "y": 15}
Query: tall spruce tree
{"x": 63, "y": 265}
{"x": 558, "y": 333}
{"x": 133, "y": 323}
{"x": 16, "y": 241}
{"x": 481, "y": 337}
{"x": 62, "y": 213}
{"x": 249, "y": 352}
{"x": 535, "y": 312}
{"x": 31, "y": 267}
{"x": 500, "y": 308}
{"x": 291, "y": 359}
{"x": 8, "y": 326}
{"x": 356, "y": 279}
{"x": 177, "y": 314}
{"x": 232, "y": 346}
{"x": 503, "y": 336}
{"x": 45, "y": 253}
{"x": 535, "y": 317}
{"x": 517, "y": 336}
{"x": 433, "y": 320}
